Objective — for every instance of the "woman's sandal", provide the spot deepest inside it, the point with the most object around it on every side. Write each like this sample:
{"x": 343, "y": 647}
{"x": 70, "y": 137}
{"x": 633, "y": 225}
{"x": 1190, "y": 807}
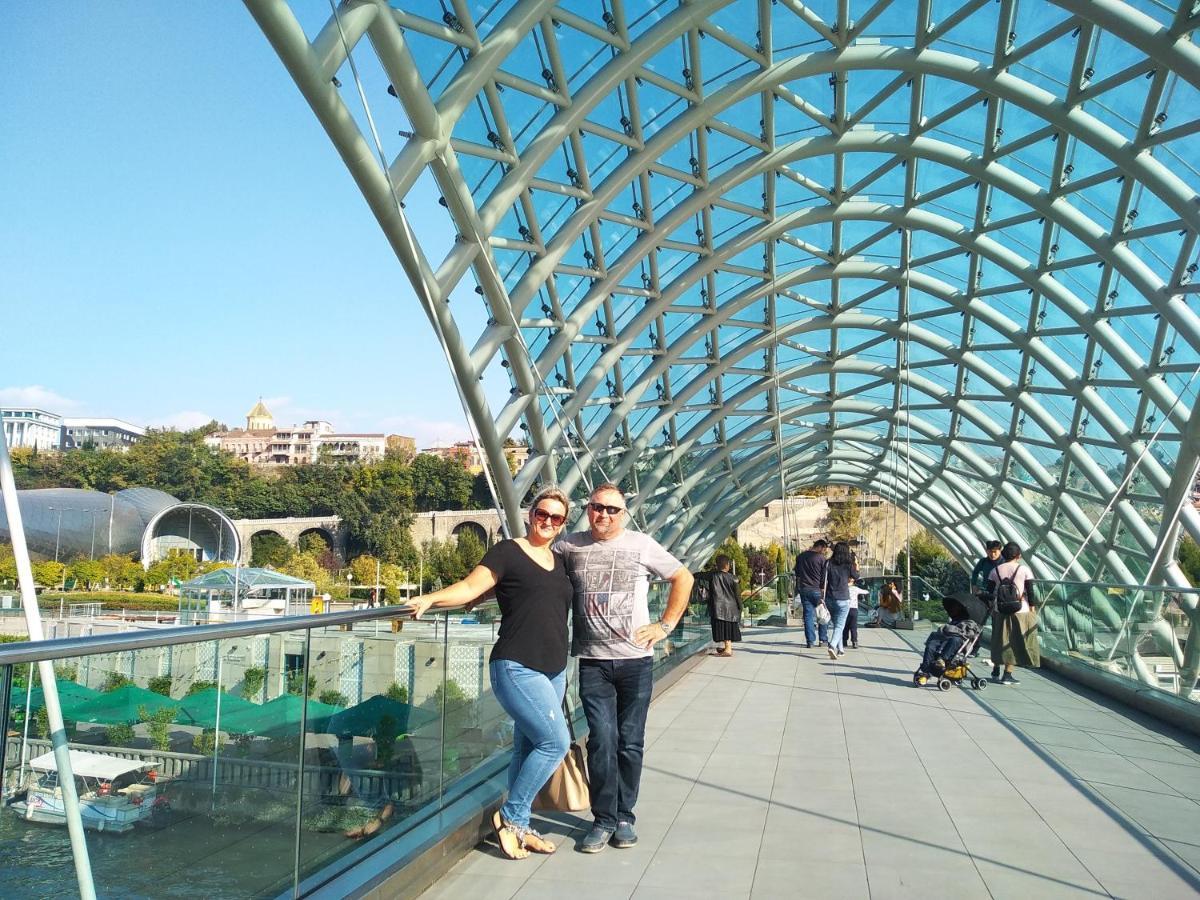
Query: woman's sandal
{"x": 508, "y": 838}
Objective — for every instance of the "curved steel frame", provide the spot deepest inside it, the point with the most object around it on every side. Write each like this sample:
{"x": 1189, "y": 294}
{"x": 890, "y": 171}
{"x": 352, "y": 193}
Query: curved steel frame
{"x": 644, "y": 364}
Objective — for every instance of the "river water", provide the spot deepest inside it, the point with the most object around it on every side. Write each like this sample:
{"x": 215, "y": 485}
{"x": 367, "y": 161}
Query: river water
{"x": 193, "y": 857}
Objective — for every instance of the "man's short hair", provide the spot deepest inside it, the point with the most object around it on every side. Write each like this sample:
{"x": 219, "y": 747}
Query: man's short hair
{"x": 820, "y": 544}
{"x": 606, "y": 487}
{"x": 994, "y": 545}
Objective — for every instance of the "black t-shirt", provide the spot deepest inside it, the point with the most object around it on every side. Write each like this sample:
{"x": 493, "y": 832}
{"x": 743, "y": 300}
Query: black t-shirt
{"x": 533, "y": 605}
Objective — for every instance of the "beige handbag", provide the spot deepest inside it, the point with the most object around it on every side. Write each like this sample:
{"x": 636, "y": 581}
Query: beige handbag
{"x": 567, "y": 790}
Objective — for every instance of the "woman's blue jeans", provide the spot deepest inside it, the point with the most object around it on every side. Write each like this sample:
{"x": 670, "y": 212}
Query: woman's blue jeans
{"x": 839, "y": 610}
{"x": 540, "y": 735}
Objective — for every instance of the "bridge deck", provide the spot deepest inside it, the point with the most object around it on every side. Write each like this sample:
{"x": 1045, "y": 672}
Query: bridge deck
{"x": 779, "y": 773}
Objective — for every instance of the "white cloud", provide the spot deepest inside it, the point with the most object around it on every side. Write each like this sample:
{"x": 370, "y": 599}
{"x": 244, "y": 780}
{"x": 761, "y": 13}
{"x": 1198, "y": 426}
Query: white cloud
{"x": 41, "y": 397}
{"x": 183, "y": 420}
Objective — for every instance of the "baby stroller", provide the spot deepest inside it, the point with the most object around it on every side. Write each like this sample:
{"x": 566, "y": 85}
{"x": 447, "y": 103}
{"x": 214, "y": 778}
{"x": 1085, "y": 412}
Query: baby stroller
{"x": 948, "y": 649}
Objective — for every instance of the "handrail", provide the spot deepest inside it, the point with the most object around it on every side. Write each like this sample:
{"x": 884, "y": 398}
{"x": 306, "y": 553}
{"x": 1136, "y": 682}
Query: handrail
{"x": 1127, "y": 587}
{"x": 36, "y": 651}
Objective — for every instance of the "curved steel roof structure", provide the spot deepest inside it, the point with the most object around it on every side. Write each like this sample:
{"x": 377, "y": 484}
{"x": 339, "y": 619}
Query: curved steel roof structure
{"x": 941, "y": 251}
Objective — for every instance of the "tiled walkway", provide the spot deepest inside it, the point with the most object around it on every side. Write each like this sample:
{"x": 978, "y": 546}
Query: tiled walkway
{"x": 779, "y": 773}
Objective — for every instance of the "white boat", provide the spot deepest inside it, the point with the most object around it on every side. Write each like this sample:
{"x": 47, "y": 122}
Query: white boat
{"x": 114, "y": 794}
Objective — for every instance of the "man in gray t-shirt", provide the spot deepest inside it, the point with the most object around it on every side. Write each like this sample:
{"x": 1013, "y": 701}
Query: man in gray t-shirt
{"x": 611, "y": 570}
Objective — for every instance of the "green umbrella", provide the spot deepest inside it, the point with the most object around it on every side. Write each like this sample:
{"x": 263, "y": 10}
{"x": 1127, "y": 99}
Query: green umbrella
{"x": 70, "y": 697}
{"x": 365, "y": 718}
{"x": 281, "y": 714}
{"x": 122, "y": 706}
{"x": 200, "y": 708}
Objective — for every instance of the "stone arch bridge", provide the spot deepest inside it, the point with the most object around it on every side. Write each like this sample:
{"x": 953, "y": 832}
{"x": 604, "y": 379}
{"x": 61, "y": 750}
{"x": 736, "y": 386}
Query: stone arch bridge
{"x": 437, "y": 525}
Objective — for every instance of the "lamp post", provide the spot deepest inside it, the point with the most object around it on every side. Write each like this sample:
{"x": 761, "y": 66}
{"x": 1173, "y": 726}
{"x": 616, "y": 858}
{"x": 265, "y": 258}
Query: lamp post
{"x": 58, "y": 530}
{"x": 349, "y": 579}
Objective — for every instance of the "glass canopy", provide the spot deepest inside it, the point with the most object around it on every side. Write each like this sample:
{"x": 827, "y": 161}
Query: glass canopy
{"x": 941, "y": 251}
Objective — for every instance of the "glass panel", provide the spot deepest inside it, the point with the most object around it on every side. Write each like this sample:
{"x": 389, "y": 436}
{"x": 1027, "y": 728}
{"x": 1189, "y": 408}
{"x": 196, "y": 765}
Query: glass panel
{"x": 1137, "y": 633}
{"x": 167, "y": 806}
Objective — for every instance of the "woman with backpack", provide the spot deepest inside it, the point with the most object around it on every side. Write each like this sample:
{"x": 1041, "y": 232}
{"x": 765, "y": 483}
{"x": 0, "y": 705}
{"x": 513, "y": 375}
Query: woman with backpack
{"x": 1014, "y": 618}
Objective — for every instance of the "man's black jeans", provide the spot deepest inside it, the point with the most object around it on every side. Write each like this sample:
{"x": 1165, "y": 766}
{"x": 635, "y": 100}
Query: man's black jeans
{"x": 616, "y": 696}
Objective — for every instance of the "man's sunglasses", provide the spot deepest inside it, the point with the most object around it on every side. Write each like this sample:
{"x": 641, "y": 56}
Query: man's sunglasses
{"x": 543, "y": 515}
{"x": 605, "y": 508}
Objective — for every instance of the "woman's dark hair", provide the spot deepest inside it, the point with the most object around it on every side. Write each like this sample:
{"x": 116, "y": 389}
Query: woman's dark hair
{"x": 1011, "y": 551}
{"x": 841, "y": 555}
{"x": 723, "y": 562}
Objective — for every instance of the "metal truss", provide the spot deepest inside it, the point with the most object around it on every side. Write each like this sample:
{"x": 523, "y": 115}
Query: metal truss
{"x": 951, "y": 262}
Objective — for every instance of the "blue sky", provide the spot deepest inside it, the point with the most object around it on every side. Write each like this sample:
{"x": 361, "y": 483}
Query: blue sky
{"x": 179, "y": 236}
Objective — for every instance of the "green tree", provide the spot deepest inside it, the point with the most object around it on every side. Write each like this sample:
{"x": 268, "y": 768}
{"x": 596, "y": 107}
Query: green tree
{"x": 87, "y": 572}
{"x": 295, "y": 683}
{"x": 205, "y": 743}
{"x": 845, "y": 516}
{"x": 49, "y": 573}
{"x": 925, "y": 549}
{"x": 8, "y": 565}
{"x": 269, "y": 549}
{"x": 158, "y": 725}
{"x": 334, "y": 698}
{"x": 470, "y": 549}
{"x": 41, "y": 722}
{"x": 314, "y": 543}
{"x": 253, "y": 680}
{"x": 440, "y": 483}
{"x": 1189, "y": 560}
{"x": 161, "y": 684}
{"x": 363, "y": 569}
{"x": 121, "y": 572}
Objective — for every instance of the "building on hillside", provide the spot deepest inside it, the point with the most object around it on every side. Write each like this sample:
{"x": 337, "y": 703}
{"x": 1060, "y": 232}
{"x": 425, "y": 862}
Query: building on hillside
{"x": 103, "y": 434}
{"x": 402, "y": 444}
{"x": 263, "y": 443}
{"x": 33, "y": 428}
{"x": 362, "y": 448}
{"x": 470, "y": 455}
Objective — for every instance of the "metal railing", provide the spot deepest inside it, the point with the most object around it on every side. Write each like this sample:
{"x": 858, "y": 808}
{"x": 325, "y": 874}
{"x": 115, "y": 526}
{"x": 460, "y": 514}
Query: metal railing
{"x": 298, "y": 745}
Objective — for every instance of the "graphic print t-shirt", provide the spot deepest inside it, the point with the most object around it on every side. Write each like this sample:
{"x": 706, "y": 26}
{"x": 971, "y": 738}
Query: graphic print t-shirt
{"x": 612, "y": 580}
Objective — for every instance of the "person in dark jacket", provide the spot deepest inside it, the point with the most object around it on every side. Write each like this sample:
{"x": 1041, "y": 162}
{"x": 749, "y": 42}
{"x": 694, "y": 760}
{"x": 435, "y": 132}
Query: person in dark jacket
{"x": 724, "y": 607}
{"x": 810, "y": 588}
{"x": 842, "y": 574}
{"x": 982, "y": 573}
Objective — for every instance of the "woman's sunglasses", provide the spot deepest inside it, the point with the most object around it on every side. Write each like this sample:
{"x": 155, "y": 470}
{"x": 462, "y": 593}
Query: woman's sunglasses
{"x": 604, "y": 508}
{"x": 543, "y": 515}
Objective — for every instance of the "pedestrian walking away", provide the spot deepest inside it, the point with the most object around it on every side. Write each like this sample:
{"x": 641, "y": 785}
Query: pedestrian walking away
{"x": 724, "y": 608}
{"x": 529, "y": 659}
{"x": 841, "y": 577}
{"x": 810, "y": 587}
{"x": 611, "y": 569}
{"x": 1014, "y": 633}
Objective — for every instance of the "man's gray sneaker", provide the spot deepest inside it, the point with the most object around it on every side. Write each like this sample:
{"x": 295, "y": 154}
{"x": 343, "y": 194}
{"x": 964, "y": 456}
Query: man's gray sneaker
{"x": 595, "y": 840}
{"x": 624, "y": 836}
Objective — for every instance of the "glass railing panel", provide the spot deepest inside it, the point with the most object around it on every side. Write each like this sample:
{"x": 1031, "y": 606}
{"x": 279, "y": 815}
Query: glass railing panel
{"x": 1134, "y": 632}
{"x": 187, "y": 778}
{"x": 375, "y": 751}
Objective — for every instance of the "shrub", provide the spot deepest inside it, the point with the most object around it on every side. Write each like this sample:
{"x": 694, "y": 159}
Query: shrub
{"x": 205, "y": 743}
{"x": 159, "y": 726}
{"x": 161, "y": 684}
{"x": 120, "y": 735}
{"x": 334, "y": 698}
{"x": 114, "y": 681}
{"x": 252, "y": 681}
{"x": 397, "y": 692}
{"x": 295, "y": 683}
{"x": 198, "y": 686}
{"x": 41, "y": 721}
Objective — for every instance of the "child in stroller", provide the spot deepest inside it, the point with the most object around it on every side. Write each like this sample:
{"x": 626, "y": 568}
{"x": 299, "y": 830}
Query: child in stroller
{"x": 947, "y": 648}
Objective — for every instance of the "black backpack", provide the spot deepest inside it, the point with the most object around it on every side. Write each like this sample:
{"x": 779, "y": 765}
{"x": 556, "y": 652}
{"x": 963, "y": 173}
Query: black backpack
{"x": 1007, "y": 599}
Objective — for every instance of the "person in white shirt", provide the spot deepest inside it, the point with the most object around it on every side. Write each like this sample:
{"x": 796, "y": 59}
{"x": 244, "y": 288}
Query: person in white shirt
{"x": 850, "y": 635}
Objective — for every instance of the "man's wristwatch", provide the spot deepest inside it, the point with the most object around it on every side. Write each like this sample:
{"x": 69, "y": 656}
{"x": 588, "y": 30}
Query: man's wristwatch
{"x": 667, "y": 629}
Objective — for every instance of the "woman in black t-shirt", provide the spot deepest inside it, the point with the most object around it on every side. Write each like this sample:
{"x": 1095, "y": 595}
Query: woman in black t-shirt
{"x": 529, "y": 659}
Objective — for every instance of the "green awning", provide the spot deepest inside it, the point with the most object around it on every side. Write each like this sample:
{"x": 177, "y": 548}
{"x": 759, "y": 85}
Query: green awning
{"x": 200, "y": 708}
{"x": 279, "y": 715}
{"x": 70, "y": 696}
{"x": 122, "y": 706}
{"x": 365, "y": 718}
